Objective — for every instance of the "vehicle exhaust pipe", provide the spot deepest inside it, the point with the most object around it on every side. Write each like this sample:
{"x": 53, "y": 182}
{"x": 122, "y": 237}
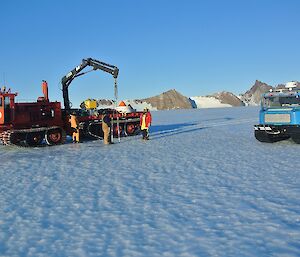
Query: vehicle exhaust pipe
{"x": 45, "y": 90}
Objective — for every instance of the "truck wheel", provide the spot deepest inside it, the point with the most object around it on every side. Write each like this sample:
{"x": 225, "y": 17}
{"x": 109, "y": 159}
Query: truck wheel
{"x": 34, "y": 139}
{"x": 130, "y": 129}
{"x": 92, "y": 131}
{"x": 55, "y": 136}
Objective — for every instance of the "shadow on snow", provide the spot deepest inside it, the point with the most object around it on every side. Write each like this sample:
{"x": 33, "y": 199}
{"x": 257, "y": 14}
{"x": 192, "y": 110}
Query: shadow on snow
{"x": 160, "y": 131}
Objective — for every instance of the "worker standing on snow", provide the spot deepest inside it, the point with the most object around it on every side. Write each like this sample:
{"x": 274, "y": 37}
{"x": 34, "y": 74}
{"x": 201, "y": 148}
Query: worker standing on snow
{"x": 145, "y": 123}
{"x": 75, "y": 126}
{"x": 106, "y": 123}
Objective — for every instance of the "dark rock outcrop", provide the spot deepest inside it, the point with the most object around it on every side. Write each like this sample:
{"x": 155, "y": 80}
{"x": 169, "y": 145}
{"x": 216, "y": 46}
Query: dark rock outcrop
{"x": 252, "y": 96}
{"x": 104, "y": 102}
{"x": 169, "y": 100}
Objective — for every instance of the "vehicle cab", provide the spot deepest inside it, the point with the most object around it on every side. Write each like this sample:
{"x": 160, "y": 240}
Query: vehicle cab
{"x": 279, "y": 116}
{"x": 7, "y": 104}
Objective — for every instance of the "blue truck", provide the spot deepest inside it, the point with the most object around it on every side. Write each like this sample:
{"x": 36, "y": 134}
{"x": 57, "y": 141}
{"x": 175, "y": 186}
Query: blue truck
{"x": 279, "y": 116}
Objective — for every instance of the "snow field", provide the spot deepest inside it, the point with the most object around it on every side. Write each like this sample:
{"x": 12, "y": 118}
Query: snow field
{"x": 202, "y": 186}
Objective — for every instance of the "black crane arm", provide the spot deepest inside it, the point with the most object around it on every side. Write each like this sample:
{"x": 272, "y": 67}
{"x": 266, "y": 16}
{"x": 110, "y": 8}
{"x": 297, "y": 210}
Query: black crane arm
{"x": 76, "y": 72}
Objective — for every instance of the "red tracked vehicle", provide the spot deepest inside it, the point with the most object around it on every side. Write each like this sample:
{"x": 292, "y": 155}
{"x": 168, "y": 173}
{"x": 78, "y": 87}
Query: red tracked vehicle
{"x": 28, "y": 124}
{"x": 33, "y": 123}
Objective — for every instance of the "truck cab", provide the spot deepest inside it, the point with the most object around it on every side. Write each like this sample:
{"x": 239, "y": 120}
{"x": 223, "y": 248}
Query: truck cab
{"x": 279, "y": 116}
{"x": 6, "y": 107}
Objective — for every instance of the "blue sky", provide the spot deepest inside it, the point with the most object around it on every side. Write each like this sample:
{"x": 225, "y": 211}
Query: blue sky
{"x": 196, "y": 47}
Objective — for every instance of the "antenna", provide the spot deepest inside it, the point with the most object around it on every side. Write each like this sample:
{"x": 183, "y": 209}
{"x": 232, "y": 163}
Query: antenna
{"x": 4, "y": 81}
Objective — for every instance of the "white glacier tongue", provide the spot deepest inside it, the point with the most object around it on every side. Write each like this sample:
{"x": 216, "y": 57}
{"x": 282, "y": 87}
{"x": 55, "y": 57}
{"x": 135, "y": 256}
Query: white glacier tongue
{"x": 208, "y": 102}
{"x": 201, "y": 186}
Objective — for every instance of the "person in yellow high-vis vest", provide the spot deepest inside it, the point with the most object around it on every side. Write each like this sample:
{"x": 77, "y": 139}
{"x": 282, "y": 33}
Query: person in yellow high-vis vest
{"x": 145, "y": 123}
{"x": 75, "y": 127}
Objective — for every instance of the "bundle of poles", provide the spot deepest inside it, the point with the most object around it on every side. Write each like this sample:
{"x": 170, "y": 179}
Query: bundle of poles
{"x": 115, "y": 111}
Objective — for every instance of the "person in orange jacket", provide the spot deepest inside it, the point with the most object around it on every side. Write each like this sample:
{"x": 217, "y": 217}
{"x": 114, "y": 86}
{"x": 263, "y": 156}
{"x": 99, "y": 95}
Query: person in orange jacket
{"x": 145, "y": 123}
{"x": 75, "y": 127}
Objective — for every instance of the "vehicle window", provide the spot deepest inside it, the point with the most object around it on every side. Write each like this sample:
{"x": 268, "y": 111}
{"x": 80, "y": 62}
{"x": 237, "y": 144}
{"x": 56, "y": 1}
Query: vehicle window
{"x": 0, "y": 101}
{"x": 271, "y": 102}
{"x": 281, "y": 101}
{"x": 289, "y": 101}
{"x": 6, "y": 102}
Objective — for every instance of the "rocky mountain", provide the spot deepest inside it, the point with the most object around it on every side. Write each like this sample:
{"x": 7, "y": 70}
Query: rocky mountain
{"x": 253, "y": 95}
{"x": 228, "y": 98}
{"x": 105, "y": 102}
{"x": 172, "y": 99}
{"x": 165, "y": 101}
{"x": 169, "y": 100}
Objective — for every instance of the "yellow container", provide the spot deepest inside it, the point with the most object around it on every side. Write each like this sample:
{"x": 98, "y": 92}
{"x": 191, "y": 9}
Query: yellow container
{"x": 90, "y": 104}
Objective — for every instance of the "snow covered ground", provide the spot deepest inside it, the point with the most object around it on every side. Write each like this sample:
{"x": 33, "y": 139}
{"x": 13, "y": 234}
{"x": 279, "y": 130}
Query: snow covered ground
{"x": 202, "y": 186}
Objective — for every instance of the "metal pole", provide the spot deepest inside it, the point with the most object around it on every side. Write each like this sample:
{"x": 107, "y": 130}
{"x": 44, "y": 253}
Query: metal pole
{"x": 116, "y": 104}
{"x": 112, "y": 128}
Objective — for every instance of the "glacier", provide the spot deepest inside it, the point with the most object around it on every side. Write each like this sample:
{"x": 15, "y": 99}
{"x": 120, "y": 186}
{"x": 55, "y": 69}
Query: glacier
{"x": 201, "y": 186}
